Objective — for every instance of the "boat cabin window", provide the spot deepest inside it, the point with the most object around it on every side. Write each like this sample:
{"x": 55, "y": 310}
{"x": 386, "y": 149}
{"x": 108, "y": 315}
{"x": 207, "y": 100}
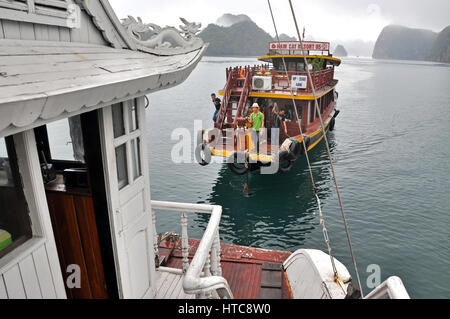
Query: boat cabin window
{"x": 292, "y": 66}
{"x": 65, "y": 140}
{"x": 15, "y": 225}
{"x": 60, "y": 146}
{"x": 279, "y": 66}
{"x": 290, "y": 116}
{"x": 127, "y": 143}
{"x": 300, "y": 109}
{"x": 300, "y": 66}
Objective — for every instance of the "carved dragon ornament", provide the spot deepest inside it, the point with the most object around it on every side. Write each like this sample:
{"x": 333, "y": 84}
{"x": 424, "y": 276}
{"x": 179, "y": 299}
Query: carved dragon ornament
{"x": 164, "y": 41}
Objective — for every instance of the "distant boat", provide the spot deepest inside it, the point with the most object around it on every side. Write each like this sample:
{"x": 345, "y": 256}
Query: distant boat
{"x": 274, "y": 89}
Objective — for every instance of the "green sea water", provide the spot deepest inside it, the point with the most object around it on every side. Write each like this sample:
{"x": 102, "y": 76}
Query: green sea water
{"x": 391, "y": 151}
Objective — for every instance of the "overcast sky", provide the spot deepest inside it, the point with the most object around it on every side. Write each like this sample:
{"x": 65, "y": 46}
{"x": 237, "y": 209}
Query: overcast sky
{"x": 324, "y": 19}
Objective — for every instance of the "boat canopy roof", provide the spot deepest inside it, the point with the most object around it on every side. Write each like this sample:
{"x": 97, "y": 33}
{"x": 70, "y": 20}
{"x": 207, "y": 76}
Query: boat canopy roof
{"x": 85, "y": 59}
{"x": 41, "y": 81}
{"x": 271, "y": 58}
{"x": 296, "y": 50}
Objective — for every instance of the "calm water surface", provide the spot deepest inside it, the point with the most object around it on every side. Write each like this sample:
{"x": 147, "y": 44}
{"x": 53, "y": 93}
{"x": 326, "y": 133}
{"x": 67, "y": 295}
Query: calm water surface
{"x": 391, "y": 149}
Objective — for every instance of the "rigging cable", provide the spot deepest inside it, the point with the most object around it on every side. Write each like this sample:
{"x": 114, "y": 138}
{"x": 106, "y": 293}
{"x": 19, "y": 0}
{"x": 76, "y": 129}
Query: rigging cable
{"x": 322, "y": 219}
{"x": 328, "y": 150}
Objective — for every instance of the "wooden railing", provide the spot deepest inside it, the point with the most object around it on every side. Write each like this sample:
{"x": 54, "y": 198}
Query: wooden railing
{"x": 244, "y": 95}
{"x": 223, "y": 108}
{"x": 281, "y": 82}
{"x": 203, "y": 276}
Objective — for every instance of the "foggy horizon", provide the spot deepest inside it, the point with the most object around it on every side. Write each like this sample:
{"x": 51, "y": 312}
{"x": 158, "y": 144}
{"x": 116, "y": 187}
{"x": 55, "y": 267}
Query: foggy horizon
{"x": 352, "y": 21}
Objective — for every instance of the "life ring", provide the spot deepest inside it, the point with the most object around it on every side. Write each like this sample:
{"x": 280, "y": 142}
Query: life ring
{"x": 282, "y": 158}
{"x": 232, "y": 161}
{"x": 332, "y": 124}
{"x": 206, "y": 158}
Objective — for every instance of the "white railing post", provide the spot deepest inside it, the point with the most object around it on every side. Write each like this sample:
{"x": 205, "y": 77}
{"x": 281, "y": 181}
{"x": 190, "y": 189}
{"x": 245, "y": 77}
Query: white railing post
{"x": 215, "y": 258}
{"x": 207, "y": 272}
{"x": 155, "y": 243}
{"x": 184, "y": 242}
{"x": 214, "y": 261}
{"x": 202, "y": 277}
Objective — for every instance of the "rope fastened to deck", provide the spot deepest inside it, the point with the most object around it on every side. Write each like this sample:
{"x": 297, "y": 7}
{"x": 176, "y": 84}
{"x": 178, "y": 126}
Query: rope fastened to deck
{"x": 328, "y": 151}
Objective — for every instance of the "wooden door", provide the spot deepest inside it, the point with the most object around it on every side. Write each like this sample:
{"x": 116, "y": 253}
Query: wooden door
{"x": 124, "y": 145}
{"x": 75, "y": 229}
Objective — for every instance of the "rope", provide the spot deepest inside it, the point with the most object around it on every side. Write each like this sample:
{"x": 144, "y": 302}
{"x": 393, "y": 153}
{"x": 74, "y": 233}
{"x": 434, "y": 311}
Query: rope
{"x": 347, "y": 231}
{"x": 322, "y": 219}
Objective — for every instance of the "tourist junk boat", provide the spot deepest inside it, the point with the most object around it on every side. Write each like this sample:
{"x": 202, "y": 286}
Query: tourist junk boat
{"x": 274, "y": 88}
{"x": 86, "y": 227}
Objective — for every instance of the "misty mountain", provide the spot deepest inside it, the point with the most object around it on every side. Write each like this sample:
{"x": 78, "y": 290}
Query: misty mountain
{"x": 440, "y": 51}
{"x": 285, "y": 37}
{"x": 241, "y": 39}
{"x": 238, "y": 35}
{"x": 402, "y": 43}
{"x": 356, "y": 47}
{"x": 340, "y": 51}
{"x": 227, "y": 20}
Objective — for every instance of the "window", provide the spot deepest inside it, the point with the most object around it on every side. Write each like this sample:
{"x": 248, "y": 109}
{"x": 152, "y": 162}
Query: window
{"x": 301, "y": 66}
{"x": 119, "y": 125}
{"x": 63, "y": 13}
{"x": 15, "y": 225}
{"x": 65, "y": 140}
{"x": 292, "y": 66}
{"x": 122, "y": 170}
{"x": 135, "y": 154}
{"x": 127, "y": 141}
{"x": 133, "y": 117}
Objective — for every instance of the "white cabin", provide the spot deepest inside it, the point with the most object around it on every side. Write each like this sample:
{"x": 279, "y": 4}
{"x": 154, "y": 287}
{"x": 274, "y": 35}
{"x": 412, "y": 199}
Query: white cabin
{"x": 84, "y": 227}
{"x": 74, "y": 59}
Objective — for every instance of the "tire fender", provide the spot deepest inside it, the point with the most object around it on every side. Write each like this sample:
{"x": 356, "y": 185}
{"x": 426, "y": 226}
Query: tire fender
{"x": 232, "y": 160}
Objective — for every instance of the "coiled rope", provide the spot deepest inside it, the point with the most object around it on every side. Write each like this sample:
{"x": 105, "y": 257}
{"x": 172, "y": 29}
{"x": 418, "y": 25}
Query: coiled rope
{"x": 322, "y": 219}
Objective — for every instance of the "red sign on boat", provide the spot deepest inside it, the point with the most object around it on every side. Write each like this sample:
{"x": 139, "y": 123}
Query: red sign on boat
{"x": 296, "y": 46}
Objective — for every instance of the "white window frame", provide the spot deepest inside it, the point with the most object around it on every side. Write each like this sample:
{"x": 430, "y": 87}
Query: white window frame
{"x": 28, "y": 12}
{"x": 41, "y": 226}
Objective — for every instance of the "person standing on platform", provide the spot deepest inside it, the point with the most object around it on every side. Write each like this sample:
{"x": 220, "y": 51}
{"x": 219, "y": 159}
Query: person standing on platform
{"x": 256, "y": 119}
{"x": 217, "y": 102}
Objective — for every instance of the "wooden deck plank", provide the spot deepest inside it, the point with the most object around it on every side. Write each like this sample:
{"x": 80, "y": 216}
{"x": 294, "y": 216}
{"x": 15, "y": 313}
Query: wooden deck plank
{"x": 270, "y": 293}
{"x": 242, "y": 267}
{"x": 229, "y": 272}
{"x": 256, "y": 282}
{"x": 170, "y": 287}
{"x": 177, "y": 289}
{"x": 165, "y": 284}
{"x": 161, "y": 277}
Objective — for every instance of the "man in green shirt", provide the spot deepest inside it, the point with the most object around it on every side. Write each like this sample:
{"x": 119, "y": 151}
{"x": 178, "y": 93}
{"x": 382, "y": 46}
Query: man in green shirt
{"x": 257, "y": 122}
